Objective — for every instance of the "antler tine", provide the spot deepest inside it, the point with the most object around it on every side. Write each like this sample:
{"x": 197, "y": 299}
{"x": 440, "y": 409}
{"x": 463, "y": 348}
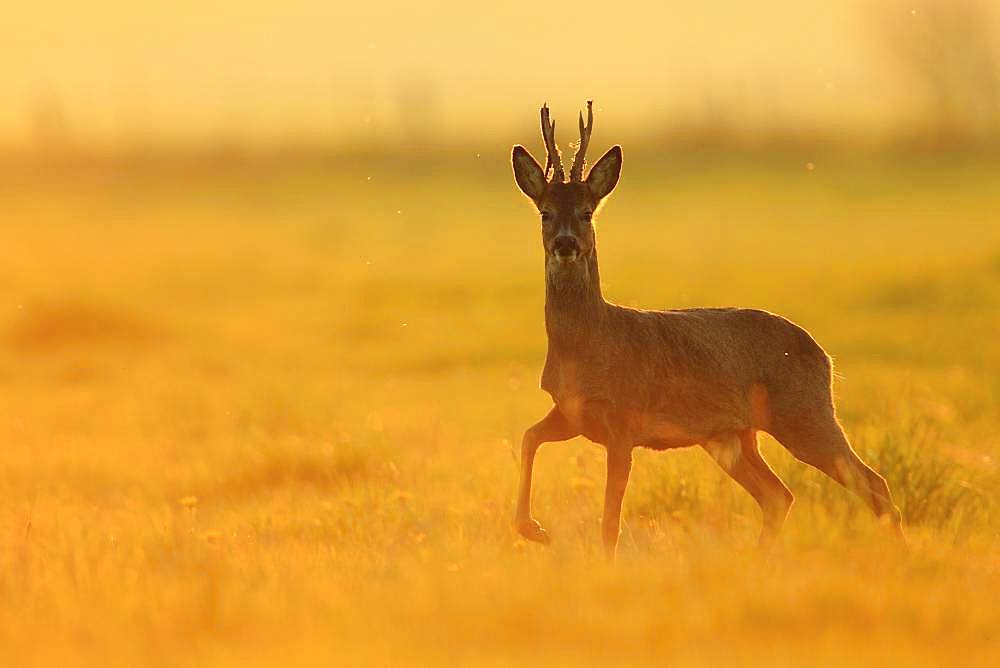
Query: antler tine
{"x": 553, "y": 157}
{"x": 580, "y": 159}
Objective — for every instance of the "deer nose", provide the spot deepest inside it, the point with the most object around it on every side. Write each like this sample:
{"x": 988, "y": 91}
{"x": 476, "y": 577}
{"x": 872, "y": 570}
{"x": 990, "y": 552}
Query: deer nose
{"x": 565, "y": 246}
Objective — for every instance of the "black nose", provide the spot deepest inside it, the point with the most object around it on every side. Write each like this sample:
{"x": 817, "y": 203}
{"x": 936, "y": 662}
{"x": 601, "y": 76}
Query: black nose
{"x": 565, "y": 245}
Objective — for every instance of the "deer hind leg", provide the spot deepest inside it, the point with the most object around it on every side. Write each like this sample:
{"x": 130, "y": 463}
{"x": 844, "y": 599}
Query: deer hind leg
{"x": 821, "y": 443}
{"x": 740, "y": 457}
{"x": 552, "y": 427}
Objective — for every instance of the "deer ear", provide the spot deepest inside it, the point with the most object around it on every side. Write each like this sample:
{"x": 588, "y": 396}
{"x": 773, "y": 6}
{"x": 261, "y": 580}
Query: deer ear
{"x": 604, "y": 175}
{"x": 528, "y": 174}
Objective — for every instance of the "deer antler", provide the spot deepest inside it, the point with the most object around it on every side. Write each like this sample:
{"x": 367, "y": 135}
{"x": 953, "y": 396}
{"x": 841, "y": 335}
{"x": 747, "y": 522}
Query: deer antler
{"x": 580, "y": 159}
{"x": 554, "y": 158}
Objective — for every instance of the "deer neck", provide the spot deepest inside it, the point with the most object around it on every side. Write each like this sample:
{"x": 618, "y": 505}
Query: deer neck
{"x": 574, "y": 304}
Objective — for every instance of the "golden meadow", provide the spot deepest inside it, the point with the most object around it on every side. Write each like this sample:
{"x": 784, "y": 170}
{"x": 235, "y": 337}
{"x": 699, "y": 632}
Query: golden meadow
{"x": 269, "y": 412}
{"x": 265, "y": 406}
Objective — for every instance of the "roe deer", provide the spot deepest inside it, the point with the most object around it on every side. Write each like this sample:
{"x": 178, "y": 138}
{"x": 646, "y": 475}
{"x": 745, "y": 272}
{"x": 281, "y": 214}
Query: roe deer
{"x": 624, "y": 377}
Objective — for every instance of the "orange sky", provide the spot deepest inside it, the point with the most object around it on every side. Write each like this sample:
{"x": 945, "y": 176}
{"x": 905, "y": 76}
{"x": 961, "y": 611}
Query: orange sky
{"x": 331, "y": 71}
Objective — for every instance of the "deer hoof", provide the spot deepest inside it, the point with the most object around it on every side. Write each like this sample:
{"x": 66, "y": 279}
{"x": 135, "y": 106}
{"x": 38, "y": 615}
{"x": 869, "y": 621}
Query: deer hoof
{"x": 533, "y": 531}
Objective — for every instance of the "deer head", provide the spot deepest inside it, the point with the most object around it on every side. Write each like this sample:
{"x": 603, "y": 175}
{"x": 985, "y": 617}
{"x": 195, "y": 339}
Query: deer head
{"x": 567, "y": 208}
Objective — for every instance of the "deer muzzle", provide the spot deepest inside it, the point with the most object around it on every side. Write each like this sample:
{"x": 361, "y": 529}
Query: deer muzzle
{"x": 565, "y": 248}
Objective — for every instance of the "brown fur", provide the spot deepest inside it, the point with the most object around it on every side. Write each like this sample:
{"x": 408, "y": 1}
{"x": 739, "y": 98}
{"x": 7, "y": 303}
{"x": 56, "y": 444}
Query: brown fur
{"x": 625, "y": 377}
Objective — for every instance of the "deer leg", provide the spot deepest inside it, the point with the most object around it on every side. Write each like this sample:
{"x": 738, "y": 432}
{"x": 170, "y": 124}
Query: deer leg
{"x": 619, "y": 467}
{"x": 850, "y": 471}
{"x": 552, "y": 427}
{"x": 740, "y": 458}
{"x": 824, "y": 446}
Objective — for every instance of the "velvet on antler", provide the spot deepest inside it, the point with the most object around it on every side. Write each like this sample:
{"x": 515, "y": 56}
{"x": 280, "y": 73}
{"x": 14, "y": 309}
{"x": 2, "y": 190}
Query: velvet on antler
{"x": 553, "y": 160}
{"x": 580, "y": 159}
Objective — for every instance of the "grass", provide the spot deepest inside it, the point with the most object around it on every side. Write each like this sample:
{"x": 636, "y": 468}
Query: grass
{"x": 269, "y": 413}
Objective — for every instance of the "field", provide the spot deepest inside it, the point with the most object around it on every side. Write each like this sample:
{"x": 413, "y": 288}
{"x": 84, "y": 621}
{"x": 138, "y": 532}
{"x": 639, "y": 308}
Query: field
{"x": 269, "y": 412}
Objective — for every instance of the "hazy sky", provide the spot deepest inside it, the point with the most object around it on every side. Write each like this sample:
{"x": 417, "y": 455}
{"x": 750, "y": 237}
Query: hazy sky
{"x": 191, "y": 70}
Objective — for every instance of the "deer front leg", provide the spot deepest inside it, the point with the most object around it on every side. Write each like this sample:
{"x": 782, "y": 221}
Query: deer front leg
{"x": 619, "y": 467}
{"x": 552, "y": 427}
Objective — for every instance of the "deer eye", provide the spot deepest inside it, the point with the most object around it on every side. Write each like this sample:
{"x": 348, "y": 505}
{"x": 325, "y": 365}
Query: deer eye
{"x": 587, "y": 216}
{"x": 546, "y": 216}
